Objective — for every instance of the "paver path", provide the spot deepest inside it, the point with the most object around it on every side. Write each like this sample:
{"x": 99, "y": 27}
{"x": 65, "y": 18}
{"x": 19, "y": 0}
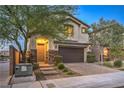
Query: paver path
{"x": 108, "y": 80}
{"x": 89, "y": 68}
{"x": 4, "y": 74}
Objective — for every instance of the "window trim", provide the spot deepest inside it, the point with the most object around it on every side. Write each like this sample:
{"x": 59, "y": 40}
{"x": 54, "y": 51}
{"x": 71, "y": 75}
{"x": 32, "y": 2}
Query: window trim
{"x": 68, "y": 34}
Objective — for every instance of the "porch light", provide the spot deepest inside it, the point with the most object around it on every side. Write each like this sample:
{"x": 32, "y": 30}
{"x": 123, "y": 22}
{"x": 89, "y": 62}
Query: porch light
{"x": 105, "y": 51}
{"x": 41, "y": 41}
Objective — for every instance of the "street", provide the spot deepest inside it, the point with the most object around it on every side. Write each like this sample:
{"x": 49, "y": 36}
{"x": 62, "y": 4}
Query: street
{"x": 4, "y": 74}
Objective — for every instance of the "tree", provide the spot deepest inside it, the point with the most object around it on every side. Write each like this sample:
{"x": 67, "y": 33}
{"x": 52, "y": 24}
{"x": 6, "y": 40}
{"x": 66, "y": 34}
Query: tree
{"x": 107, "y": 33}
{"x": 21, "y": 22}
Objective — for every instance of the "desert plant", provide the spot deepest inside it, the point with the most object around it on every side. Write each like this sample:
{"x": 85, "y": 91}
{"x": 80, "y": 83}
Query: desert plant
{"x": 118, "y": 63}
{"x": 65, "y": 70}
{"x": 35, "y": 66}
{"x": 39, "y": 75}
{"x": 58, "y": 60}
{"x": 61, "y": 66}
{"x": 91, "y": 57}
{"x": 69, "y": 73}
{"x": 108, "y": 64}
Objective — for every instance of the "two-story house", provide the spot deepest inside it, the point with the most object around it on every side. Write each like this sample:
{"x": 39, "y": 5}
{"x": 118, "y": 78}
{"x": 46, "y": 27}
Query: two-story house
{"x": 73, "y": 49}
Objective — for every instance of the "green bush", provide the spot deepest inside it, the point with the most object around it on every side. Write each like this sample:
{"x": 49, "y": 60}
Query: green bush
{"x": 35, "y": 66}
{"x": 69, "y": 73}
{"x": 91, "y": 57}
{"x": 39, "y": 75}
{"x": 58, "y": 60}
{"x": 65, "y": 70}
{"x": 61, "y": 66}
{"x": 118, "y": 63}
{"x": 108, "y": 64}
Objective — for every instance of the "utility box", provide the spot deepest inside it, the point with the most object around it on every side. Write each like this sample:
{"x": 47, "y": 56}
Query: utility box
{"x": 23, "y": 69}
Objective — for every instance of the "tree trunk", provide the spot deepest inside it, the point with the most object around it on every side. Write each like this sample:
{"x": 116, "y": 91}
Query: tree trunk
{"x": 101, "y": 55}
{"x": 23, "y": 58}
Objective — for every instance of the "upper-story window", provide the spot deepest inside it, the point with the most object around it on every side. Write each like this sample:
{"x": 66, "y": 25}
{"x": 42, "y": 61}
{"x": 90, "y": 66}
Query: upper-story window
{"x": 69, "y": 30}
{"x": 83, "y": 30}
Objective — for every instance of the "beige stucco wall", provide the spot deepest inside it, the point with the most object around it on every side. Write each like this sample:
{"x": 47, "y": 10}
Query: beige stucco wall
{"x": 78, "y": 36}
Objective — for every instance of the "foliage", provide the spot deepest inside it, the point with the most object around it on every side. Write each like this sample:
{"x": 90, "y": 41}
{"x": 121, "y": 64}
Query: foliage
{"x": 118, "y": 63}
{"x": 21, "y": 22}
{"x": 65, "y": 70}
{"x": 91, "y": 57}
{"x": 69, "y": 73}
{"x": 58, "y": 59}
{"x": 61, "y": 66}
{"x": 39, "y": 75}
{"x": 35, "y": 66}
{"x": 108, "y": 33}
{"x": 108, "y": 64}
{"x": 116, "y": 52}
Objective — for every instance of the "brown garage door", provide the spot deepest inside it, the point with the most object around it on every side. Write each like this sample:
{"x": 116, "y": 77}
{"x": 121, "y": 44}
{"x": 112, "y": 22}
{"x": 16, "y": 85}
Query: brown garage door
{"x": 71, "y": 54}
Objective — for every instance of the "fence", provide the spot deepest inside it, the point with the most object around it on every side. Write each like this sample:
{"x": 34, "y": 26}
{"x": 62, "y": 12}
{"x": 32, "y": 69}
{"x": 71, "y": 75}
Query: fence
{"x": 14, "y": 58}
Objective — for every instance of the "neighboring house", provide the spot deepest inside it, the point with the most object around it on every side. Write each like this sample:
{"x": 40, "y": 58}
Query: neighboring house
{"x": 106, "y": 50}
{"x": 4, "y": 53}
{"x": 96, "y": 49}
{"x": 73, "y": 49}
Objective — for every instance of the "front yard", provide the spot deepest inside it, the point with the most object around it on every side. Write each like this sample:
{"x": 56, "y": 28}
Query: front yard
{"x": 118, "y": 65}
{"x": 53, "y": 72}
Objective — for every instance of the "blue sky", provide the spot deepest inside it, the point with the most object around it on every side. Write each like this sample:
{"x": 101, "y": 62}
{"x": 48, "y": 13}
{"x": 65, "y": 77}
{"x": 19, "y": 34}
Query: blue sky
{"x": 92, "y": 13}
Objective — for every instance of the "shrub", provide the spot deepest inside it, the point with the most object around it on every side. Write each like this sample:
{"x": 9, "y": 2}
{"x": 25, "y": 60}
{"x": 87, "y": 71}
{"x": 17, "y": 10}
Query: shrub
{"x": 65, "y": 70}
{"x": 108, "y": 64}
{"x": 58, "y": 60}
{"x": 118, "y": 63}
{"x": 69, "y": 73}
{"x": 35, "y": 66}
{"x": 91, "y": 57}
{"x": 61, "y": 66}
{"x": 39, "y": 75}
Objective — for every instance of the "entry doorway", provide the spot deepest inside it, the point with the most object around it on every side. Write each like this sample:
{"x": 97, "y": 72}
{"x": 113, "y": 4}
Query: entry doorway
{"x": 40, "y": 52}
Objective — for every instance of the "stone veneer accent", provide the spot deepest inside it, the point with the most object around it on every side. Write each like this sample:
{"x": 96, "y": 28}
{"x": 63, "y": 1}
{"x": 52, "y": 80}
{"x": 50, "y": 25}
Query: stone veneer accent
{"x": 33, "y": 55}
{"x": 52, "y": 54}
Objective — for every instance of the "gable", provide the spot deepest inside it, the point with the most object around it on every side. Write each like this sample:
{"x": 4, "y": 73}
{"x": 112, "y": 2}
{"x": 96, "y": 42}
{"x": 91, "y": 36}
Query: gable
{"x": 78, "y": 22}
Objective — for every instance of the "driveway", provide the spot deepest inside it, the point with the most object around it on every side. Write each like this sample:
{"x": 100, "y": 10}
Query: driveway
{"x": 89, "y": 68}
{"x": 4, "y": 74}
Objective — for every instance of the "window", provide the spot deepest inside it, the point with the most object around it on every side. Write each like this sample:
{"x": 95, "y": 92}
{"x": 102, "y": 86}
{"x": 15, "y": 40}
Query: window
{"x": 83, "y": 30}
{"x": 69, "y": 30}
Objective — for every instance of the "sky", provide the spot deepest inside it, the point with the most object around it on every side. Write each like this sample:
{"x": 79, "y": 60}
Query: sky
{"x": 92, "y": 13}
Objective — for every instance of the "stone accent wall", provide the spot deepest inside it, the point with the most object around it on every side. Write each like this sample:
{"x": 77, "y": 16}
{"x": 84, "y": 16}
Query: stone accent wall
{"x": 33, "y": 56}
{"x": 52, "y": 54}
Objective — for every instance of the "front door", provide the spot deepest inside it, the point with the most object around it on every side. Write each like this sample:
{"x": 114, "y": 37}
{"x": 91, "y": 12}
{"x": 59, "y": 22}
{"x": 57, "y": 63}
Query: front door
{"x": 40, "y": 52}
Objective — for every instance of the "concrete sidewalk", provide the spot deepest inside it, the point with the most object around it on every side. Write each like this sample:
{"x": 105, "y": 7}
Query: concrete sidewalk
{"x": 35, "y": 84}
{"x": 108, "y": 80}
{"x": 4, "y": 74}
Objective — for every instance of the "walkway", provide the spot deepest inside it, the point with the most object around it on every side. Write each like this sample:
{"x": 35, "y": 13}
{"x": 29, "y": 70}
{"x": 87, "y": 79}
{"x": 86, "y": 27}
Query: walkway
{"x": 4, "y": 74}
{"x": 89, "y": 68}
{"x": 49, "y": 71}
{"x": 108, "y": 80}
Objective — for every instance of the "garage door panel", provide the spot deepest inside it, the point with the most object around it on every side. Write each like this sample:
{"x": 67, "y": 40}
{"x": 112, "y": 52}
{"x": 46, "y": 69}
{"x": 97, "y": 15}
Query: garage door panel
{"x": 70, "y": 54}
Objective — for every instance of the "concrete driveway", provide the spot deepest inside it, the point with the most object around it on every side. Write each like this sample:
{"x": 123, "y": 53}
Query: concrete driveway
{"x": 89, "y": 68}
